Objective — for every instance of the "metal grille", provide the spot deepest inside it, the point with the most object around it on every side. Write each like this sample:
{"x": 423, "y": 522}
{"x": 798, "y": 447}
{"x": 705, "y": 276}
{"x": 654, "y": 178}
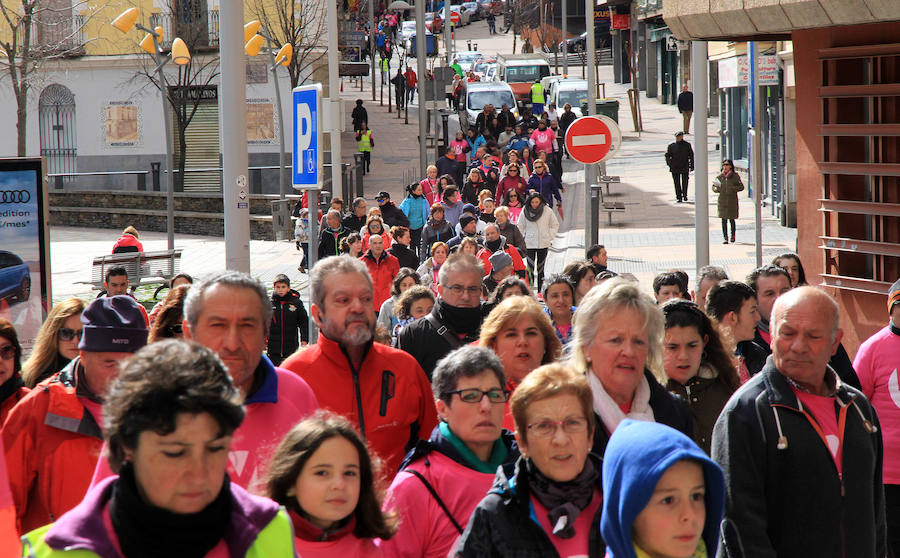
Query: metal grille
{"x": 57, "y": 129}
{"x": 202, "y": 138}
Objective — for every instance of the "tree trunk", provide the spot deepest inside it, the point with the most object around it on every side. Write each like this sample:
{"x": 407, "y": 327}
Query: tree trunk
{"x": 180, "y": 161}
{"x": 21, "y": 119}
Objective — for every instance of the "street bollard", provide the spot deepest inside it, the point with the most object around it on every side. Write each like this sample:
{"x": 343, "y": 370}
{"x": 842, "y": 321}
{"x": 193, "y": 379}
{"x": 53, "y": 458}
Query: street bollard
{"x": 596, "y": 195}
{"x": 358, "y": 159}
{"x": 346, "y": 180}
{"x": 154, "y": 173}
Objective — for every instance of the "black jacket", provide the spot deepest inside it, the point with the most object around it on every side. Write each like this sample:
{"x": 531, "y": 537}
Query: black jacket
{"x": 434, "y": 232}
{"x": 685, "y": 101}
{"x": 288, "y": 315}
{"x": 513, "y": 236}
{"x": 406, "y": 256}
{"x": 668, "y": 409}
{"x": 483, "y": 124}
{"x": 353, "y": 223}
{"x": 840, "y": 361}
{"x": 565, "y": 120}
{"x": 454, "y": 242}
{"x": 359, "y": 115}
{"x": 505, "y": 118}
{"x": 421, "y": 340}
{"x": 502, "y": 525}
{"x": 330, "y": 241}
{"x": 754, "y": 355}
{"x": 393, "y": 216}
{"x": 452, "y": 167}
{"x": 783, "y": 494}
{"x": 680, "y": 156}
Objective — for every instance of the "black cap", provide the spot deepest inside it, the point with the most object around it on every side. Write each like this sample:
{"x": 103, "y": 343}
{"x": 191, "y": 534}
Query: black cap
{"x": 679, "y": 133}
{"x": 382, "y": 195}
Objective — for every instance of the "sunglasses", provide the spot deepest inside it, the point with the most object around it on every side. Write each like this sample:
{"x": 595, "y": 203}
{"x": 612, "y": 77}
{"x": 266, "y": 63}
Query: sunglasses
{"x": 7, "y": 352}
{"x": 67, "y": 334}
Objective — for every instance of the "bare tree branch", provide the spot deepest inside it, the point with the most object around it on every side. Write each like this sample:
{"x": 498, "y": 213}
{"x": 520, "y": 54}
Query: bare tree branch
{"x": 300, "y": 23}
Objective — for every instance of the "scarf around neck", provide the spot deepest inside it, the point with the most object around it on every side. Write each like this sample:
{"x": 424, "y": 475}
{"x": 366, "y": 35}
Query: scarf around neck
{"x": 145, "y": 530}
{"x": 496, "y": 459}
{"x": 533, "y": 214}
{"x": 563, "y": 500}
{"x": 608, "y": 410}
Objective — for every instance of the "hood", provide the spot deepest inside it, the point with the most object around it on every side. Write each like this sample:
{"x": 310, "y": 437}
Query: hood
{"x": 437, "y": 442}
{"x": 636, "y": 457}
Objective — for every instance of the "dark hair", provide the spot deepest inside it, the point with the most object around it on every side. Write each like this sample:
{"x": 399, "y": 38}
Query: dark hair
{"x": 397, "y": 231}
{"x": 802, "y": 274}
{"x": 403, "y": 304}
{"x": 605, "y": 274}
{"x": 160, "y": 382}
{"x": 767, "y": 270}
{"x": 711, "y": 272}
{"x": 348, "y": 240}
{"x": 282, "y": 278}
{"x": 593, "y": 251}
{"x": 181, "y": 276}
{"x": 725, "y": 297}
{"x": 670, "y": 278}
{"x": 729, "y": 162}
{"x": 401, "y": 275}
{"x": 576, "y": 271}
{"x": 116, "y": 271}
{"x": 449, "y": 190}
{"x": 684, "y": 313}
{"x": 466, "y": 362}
{"x": 171, "y": 314}
{"x": 301, "y": 443}
{"x": 557, "y": 279}
{"x": 511, "y": 282}
{"x": 8, "y": 332}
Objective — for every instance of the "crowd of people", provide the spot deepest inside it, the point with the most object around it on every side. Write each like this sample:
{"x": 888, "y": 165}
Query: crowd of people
{"x": 435, "y": 419}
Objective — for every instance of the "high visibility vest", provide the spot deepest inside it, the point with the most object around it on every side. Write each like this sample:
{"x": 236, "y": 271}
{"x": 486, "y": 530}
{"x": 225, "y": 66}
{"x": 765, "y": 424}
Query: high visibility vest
{"x": 537, "y": 93}
{"x": 385, "y": 65}
{"x": 365, "y": 141}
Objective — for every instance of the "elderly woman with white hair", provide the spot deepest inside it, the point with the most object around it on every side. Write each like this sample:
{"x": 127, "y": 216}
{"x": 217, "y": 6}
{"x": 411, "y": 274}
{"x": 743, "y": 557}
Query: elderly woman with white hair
{"x": 618, "y": 344}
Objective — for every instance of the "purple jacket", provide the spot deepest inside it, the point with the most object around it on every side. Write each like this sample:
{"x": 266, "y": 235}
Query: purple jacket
{"x": 83, "y": 527}
{"x": 547, "y": 185}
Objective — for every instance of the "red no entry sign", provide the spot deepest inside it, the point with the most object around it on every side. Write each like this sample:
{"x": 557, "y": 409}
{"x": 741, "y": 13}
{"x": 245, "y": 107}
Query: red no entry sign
{"x": 454, "y": 18}
{"x": 592, "y": 139}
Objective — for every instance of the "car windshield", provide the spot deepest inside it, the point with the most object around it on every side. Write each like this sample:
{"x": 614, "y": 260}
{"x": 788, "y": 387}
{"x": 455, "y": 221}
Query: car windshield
{"x": 499, "y": 97}
{"x": 573, "y": 96}
{"x": 519, "y": 74}
{"x": 409, "y": 25}
{"x": 467, "y": 57}
{"x": 429, "y": 17}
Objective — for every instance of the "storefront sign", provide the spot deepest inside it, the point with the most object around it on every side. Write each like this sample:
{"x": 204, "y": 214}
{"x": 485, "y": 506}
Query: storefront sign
{"x": 621, "y": 21}
{"x": 733, "y": 71}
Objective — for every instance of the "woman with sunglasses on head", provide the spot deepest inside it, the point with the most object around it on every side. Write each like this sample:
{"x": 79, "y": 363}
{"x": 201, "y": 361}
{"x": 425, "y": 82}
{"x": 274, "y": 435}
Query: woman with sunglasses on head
{"x": 11, "y": 387}
{"x": 168, "y": 322}
{"x": 56, "y": 343}
{"x": 464, "y": 450}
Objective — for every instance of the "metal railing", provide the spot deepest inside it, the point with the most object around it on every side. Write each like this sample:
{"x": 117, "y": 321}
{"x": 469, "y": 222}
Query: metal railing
{"x": 196, "y": 28}
{"x": 58, "y": 34}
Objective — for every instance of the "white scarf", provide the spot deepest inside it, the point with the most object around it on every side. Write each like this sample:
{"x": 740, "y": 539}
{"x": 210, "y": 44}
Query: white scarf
{"x": 610, "y": 412}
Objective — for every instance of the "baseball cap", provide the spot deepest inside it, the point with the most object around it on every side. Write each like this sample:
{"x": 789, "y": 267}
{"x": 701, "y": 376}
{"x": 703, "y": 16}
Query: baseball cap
{"x": 382, "y": 195}
{"x": 679, "y": 133}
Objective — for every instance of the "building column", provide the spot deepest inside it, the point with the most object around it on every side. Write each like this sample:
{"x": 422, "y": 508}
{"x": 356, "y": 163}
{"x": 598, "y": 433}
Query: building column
{"x": 617, "y": 55}
{"x": 652, "y": 69}
{"x": 642, "y": 44}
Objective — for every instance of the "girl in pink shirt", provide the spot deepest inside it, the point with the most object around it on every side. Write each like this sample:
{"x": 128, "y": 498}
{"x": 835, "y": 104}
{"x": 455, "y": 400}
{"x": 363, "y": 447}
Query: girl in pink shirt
{"x": 323, "y": 474}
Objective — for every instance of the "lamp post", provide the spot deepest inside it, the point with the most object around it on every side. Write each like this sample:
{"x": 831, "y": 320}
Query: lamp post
{"x": 254, "y": 34}
{"x": 152, "y": 44}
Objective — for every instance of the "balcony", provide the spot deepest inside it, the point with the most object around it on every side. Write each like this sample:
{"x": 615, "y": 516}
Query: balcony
{"x": 199, "y": 29}
{"x": 649, "y": 7}
{"x": 58, "y": 35}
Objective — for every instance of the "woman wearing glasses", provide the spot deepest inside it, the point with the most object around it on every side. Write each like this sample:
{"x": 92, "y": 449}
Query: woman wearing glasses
{"x": 11, "y": 387}
{"x": 618, "y": 344}
{"x": 443, "y": 479}
{"x": 548, "y": 503}
{"x": 512, "y": 181}
{"x": 56, "y": 343}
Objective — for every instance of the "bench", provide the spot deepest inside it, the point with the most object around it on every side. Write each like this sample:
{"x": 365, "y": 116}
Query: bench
{"x": 612, "y": 207}
{"x": 144, "y": 268}
{"x": 609, "y": 180}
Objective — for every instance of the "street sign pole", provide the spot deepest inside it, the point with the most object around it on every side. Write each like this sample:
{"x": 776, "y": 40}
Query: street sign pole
{"x": 591, "y": 68}
{"x": 306, "y": 168}
{"x": 701, "y": 150}
{"x": 565, "y": 39}
{"x": 420, "y": 66}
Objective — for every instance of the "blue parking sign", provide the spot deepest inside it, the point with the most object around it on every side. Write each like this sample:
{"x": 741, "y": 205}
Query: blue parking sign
{"x": 307, "y": 154}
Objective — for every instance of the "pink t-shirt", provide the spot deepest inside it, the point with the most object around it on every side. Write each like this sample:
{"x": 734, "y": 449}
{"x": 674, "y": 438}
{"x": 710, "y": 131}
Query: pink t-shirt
{"x": 877, "y": 364}
{"x": 345, "y": 547}
{"x": 579, "y": 545}
{"x": 544, "y": 140}
{"x": 822, "y": 409}
{"x": 514, "y": 213}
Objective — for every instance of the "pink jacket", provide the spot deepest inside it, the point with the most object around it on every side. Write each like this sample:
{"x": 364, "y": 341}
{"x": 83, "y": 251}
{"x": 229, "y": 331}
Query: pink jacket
{"x": 283, "y": 400}
{"x": 425, "y": 530}
{"x": 877, "y": 364}
{"x": 344, "y": 547}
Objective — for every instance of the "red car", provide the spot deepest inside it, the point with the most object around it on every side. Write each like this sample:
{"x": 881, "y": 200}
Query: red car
{"x": 434, "y": 22}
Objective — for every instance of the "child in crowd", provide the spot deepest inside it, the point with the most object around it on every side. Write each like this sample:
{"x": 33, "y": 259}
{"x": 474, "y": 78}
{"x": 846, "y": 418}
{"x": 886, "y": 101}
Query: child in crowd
{"x": 301, "y": 237}
{"x": 288, "y": 316}
{"x": 415, "y": 303}
{"x": 662, "y": 496}
{"x": 669, "y": 285}
{"x": 323, "y": 474}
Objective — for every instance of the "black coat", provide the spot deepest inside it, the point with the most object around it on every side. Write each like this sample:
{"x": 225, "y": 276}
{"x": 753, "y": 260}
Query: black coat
{"x": 393, "y": 216}
{"x": 790, "y": 501}
{"x": 426, "y": 345}
{"x": 288, "y": 316}
{"x": 680, "y": 156}
{"x": 434, "y": 233}
{"x": 565, "y": 120}
{"x": 502, "y": 525}
{"x": 668, "y": 409}
{"x": 506, "y": 119}
{"x": 330, "y": 241}
{"x": 754, "y": 356}
{"x": 359, "y": 115}
{"x": 354, "y": 223}
{"x": 452, "y": 167}
{"x": 406, "y": 256}
{"x": 685, "y": 101}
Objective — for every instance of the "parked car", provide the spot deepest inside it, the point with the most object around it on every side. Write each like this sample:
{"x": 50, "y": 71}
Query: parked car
{"x": 476, "y": 94}
{"x": 407, "y": 30}
{"x": 15, "y": 279}
{"x": 474, "y": 12}
{"x": 483, "y": 68}
{"x": 433, "y": 22}
{"x": 464, "y": 17}
{"x": 579, "y": 44}
{"x": 572, "y": 91}
{"x": 467, "y": 59}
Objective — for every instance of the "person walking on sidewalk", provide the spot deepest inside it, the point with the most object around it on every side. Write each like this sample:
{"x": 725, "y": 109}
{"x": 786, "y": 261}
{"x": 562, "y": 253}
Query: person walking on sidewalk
{"x": 539, "y": 225}
{"x": 364, "y": 144}
{"x": 399, "y": 82}
{"x": 680, "y": 158}
{"x": 727, "y": 185}
{"x": 686, "y": 107}
{"x": 492, "y": 23}
{"x": 360, "y": 115}
{"x": 411, "y": 80}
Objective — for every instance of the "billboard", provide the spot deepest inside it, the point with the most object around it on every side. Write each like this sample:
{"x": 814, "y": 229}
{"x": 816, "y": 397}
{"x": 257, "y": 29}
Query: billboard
{"x": 24, "y": 247}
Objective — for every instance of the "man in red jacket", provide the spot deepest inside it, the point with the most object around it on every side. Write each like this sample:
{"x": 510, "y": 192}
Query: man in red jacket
{"x": 494, "y": 242}
{"x": 383, "y": 267}
{"x": 381, "y": 390}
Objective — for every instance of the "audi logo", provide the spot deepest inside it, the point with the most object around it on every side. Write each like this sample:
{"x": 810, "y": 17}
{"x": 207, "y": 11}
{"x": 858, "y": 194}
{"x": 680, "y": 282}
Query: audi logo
{"x": 15, "y": 196}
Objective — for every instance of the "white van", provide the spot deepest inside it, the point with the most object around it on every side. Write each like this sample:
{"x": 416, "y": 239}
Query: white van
{"x": 572, "y": 91}
{"x": 476, "y": 94}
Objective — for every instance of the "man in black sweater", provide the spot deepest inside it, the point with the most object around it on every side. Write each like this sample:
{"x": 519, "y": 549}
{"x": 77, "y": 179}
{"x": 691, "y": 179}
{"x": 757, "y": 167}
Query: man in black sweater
{"x": 680, "y": 158}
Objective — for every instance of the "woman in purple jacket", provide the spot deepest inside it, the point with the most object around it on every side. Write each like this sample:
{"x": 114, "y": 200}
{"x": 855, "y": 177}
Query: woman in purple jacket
{"x": 544, "y": 183}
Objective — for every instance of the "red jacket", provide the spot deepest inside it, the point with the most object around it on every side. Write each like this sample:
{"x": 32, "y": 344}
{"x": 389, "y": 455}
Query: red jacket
{"x": 127, "y": 243}
{"x": 509, "y": 183}
{"x": 383, "y": 272}
{"x": 52, "y": 444}
{"x": 485, "y": 256}
{"x": 10, "y": 402}
{"x": 385, "y": 236}
{"x": 388, "y": 398}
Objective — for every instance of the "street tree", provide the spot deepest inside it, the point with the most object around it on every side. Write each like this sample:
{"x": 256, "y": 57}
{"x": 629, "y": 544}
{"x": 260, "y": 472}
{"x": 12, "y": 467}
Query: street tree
{"x": 300, "y": 23}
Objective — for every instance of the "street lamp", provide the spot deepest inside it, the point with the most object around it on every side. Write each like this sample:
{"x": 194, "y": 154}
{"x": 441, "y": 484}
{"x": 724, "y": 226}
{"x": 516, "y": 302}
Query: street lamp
{"x": 254, "y": 34}
{"x": 152, "y": 44}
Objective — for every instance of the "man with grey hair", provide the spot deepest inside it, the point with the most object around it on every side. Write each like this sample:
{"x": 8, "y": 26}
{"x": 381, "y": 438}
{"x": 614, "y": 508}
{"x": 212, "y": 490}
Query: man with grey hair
{"x": 229, "y": 312}
{"x": 801, "y": 450}
{"x": 494, "y": 242}
{"x": 332, "y": 234}
{"x": 381, "y": 390}
{"x": 456, "y": 317}
{"x": 708, "y": 276}
{"x": 356, "y": 220}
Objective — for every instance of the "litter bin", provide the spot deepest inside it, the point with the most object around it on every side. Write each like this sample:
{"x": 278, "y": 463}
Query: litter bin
{"x": 608, "y": 107}
{"x": 281, "y": 219}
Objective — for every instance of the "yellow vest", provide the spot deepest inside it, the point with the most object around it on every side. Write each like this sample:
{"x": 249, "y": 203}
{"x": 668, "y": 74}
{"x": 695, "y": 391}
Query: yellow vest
{"x": 365, "y": 141}
{"x": 537, "y": 93}
{"x": 385, "y": 65}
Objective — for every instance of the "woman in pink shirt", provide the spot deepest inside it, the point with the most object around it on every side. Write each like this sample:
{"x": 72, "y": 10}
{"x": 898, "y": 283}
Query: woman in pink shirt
{"x": 323, "y": 474}
{"x": 429, "y": 185}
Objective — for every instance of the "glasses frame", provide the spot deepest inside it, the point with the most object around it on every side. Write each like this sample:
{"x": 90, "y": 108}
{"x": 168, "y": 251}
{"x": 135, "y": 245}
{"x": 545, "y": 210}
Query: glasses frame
{"x": 459, "y": 290}
{"x": 68, "y": 334}
{"x": 8, "y": 352}
{"x": 459, "y": 392}
{"x": 559, "y": 424}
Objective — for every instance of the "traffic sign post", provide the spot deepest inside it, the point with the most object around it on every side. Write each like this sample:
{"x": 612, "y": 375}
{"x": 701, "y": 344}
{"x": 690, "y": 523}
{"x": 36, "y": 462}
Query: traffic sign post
{"x": 591, "y": 140}
{"x": 307, "y": 167}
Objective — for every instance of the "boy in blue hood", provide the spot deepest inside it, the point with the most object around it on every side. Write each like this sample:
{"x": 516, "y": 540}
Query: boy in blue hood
{"x": 662, "y": 496}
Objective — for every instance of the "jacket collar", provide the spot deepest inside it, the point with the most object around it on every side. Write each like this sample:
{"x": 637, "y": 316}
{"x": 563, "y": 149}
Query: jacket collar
{"x": 268, "y": 389}
{"x": 65, "y": 411}
{"x": 780, "y": 392}
{"x": 370, "y": 256}
{"x": 437, "y": 442}
{"x": 83, "y": 526}
{"x": 335, "y": 352}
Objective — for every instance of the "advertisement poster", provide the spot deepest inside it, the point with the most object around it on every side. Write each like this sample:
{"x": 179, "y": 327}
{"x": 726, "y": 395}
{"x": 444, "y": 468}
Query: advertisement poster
{"x": 24, "y": 248}
{"x": 122, "y": 128}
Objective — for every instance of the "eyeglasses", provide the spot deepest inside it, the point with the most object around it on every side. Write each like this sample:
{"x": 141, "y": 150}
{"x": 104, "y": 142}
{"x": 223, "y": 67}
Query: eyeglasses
{"x": 459, "y": 290}
{"x": 8, "y": 351}
{"x": 67, "y": 334}
{"x": 475, "y": 395}
{"x": 547, "y": 428}
{"x": 513, "y": 170}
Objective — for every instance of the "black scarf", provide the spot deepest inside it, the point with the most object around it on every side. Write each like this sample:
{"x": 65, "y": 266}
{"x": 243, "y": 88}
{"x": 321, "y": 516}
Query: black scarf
{"x": 533, "y": 214}
{"x": 494, "y": 245}
{"x": 10, "y": 386}
{"x": 461, "y": 320}
{"x": 563, "y": 498}
{"x": 145, "y": 530}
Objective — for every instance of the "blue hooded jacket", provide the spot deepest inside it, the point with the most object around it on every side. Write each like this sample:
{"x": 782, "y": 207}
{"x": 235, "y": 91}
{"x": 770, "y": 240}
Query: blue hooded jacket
{"x": 636, "y": 457}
